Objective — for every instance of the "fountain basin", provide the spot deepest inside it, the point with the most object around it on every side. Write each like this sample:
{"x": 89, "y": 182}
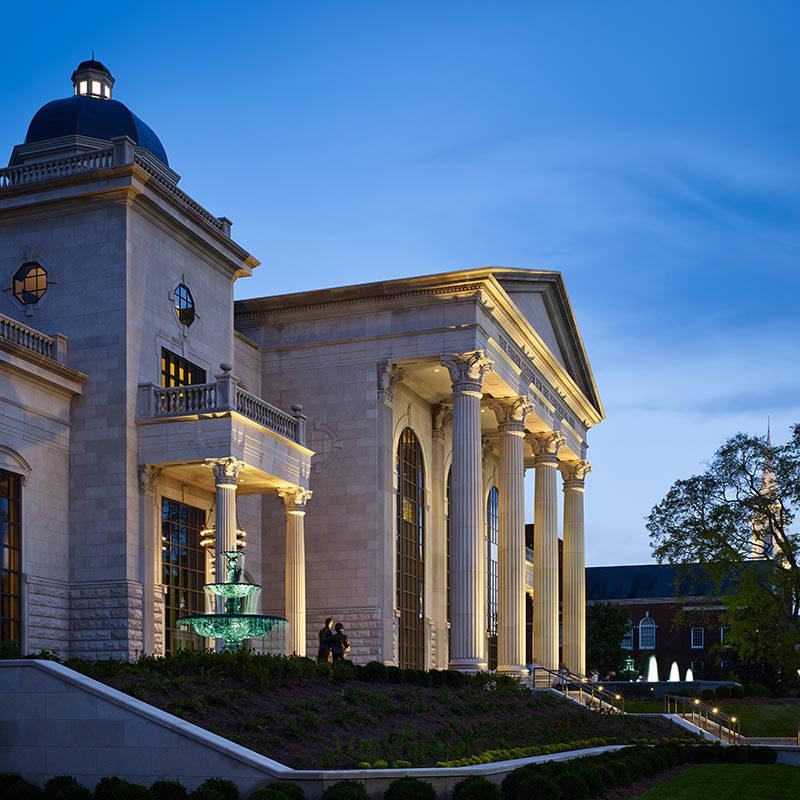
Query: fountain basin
{"x": 236, "y": 590}
{"x": 232, "y": 628}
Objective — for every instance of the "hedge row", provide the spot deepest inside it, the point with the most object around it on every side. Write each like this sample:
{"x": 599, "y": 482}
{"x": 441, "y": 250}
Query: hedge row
{"x": 577, "y": 779}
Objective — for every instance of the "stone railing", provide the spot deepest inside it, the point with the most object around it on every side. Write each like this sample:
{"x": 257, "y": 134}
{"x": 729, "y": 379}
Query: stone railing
{"x": 54, "y": 347}
{"x": 58, "y": 168}
{"x": 223, "y": 395}
{"x": 122, "y": 152}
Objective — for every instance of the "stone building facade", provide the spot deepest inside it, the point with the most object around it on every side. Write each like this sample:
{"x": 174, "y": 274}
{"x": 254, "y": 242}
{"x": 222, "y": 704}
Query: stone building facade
{"x": 140, "y": 405}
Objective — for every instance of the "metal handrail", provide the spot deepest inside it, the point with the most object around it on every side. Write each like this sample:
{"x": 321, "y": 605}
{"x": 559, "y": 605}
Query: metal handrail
{"x": 592, "y": 695}
{"x": 706, "y": 717}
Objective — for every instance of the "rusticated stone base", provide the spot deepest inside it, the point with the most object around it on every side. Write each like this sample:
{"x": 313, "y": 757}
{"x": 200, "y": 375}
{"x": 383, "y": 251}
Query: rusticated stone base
{"x": 106, "y": 620}
{"x": 48, "y": 616}
{"x": 362, "y": 626}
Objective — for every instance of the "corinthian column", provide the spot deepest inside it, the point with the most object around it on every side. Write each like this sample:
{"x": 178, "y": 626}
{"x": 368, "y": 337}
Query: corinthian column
{"x": 295, "y": 500}
{"x": 511, "y": 413}
{"x": 226, "y": 479}
{"x": 545, "y": 548}
{"x": 467, "y": 568}
{"x": 574, "y": 581}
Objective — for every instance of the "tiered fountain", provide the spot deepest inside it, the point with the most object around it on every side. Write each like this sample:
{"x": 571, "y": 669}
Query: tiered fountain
{"x": 241, "y": 600}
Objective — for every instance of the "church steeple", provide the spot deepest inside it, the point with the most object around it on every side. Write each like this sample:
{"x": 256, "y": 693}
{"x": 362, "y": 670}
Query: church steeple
{"x": 92, "y": 79}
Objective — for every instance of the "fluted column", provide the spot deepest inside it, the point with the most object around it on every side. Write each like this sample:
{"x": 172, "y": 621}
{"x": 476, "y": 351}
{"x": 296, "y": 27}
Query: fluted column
{"x": 295, "y": 500}
{"x": 511, "y": 413}
{"x": 545, "y": 548}
{"x": 573, "y": 570}
{"x": 467, "y": 568}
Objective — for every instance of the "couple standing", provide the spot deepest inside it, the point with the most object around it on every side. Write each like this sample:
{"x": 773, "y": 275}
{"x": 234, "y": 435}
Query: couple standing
{"x": 333, "y": 642}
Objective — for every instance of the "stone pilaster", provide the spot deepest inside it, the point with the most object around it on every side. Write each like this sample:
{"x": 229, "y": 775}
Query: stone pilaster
{"x": 511, "y": 413}
{"x": 294, "y": 499}
{"x": 467, "y": 567}
{"x": 437, "y": 554}
{"x": 545, "y": 448}
{"x": 150, "y": 553}
{"x": 573, "y": 570}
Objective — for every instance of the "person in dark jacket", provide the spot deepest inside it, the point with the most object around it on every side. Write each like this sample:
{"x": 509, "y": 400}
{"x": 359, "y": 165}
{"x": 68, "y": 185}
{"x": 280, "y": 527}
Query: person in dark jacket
{"x": 340, "y": 646}
{"x": 325, "y": 636}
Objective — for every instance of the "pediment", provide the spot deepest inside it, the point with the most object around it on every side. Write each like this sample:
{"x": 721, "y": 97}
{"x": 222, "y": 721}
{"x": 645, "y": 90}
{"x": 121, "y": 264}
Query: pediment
{"x": 541, "y": 298}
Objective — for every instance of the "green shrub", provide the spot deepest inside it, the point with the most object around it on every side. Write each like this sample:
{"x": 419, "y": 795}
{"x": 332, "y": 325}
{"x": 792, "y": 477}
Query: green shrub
{"x": 117, "y": 789}
{"x": 228, "y": 789}
{"x": 476, "y": 787}
{"x": 408, "y": 788}
{"x": 168, "y": 790}
{"x": 66, "y": 787}
{"x": 529, "y": 785}
{"x": 591, "y": 777}
{"x": 373, "y": 672}
{"x": 285, "y": 790}
{"x": 7, "y": 780}
{"x": 572, "y": 785}
{"x": 205, "y": 793}
{"x": 345, "y": 790}
{"x": 22, "y": 790}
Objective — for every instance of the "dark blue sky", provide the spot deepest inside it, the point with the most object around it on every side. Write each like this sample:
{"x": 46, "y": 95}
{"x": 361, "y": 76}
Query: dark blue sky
{"x": 647, "y": 150}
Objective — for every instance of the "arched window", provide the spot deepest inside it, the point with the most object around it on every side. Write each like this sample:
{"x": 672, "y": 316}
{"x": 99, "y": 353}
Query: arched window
{"x": 491, "y": 576}
{"x": 447, "y": 535}
{"x": 411, "y": 551}
{"x": 10, "y": 557}
{"x": 647, "y": 634}
{"x": 627, "y": 639}
{"x": 184, "y": 304}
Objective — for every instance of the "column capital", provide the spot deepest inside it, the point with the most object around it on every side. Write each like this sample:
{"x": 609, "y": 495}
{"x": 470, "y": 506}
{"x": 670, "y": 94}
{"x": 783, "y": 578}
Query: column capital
{"x": 545, "y": 446}
{"x": 467, "y": 370}
{"x": 441, "y": 415}
{"x": 389, "y": 375}
{"x": 574, "y": 472}
{"x": 148, "y": 478}
{"x": 226, "y": 470}
{"x": 295, "y": 498}
{"x": 511, "y": 413}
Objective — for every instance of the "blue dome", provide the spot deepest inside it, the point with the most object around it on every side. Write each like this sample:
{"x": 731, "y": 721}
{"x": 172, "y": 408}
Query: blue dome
{"x": 90, "y": 116}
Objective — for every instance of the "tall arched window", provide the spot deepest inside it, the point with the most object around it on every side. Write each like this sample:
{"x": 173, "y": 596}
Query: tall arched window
{"x": 491, "y": 576}
{"x": 10, "y": 558}
{"x": 447, "y": 566}
{"x": 647, "y": 634}
{"x": 411, "y": 551}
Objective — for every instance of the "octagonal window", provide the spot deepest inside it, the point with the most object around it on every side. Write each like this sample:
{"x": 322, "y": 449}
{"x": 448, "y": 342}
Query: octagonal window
{"x": 30, "y": 283}
{"x": 184, "y": 305}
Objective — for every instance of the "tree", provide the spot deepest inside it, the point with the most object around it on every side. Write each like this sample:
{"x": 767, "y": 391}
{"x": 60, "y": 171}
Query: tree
{"x": 606, "y": 626}
{"x": 735, "y": 521}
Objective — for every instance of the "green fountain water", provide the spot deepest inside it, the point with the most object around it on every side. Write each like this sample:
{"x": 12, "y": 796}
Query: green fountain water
{"x": 239, "y": 620}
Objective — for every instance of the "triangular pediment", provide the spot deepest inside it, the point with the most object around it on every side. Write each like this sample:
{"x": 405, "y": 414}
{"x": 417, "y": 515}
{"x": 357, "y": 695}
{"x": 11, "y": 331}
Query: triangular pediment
{"x": 542, "y": 300}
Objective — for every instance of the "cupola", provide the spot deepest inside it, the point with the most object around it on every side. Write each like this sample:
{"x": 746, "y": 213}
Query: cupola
{"x": 92, "y": 79}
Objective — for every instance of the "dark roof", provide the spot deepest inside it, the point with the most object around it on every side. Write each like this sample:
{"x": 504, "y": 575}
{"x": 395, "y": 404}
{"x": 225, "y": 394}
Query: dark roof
{"x": 647, "y": 581}
{"x": 91, "y": 116}
{"x": 92, "y": 64}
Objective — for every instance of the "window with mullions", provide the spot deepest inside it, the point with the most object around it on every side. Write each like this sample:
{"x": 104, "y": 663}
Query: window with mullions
{"x": 184, "y": 305}
{"x": 698, "y": 638}
{"x": 411, "y": 551}
{"x": 177, "y": 371}
{"x": 491, "y": 576}
{"x": 30, "y": 283}
{"x": 647, "y": 634}
{"x": 447, "y": 576}
{"x": 627, "y": 639}
{"x": 11, "y": 554}
{"x": 183, "y": 571}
